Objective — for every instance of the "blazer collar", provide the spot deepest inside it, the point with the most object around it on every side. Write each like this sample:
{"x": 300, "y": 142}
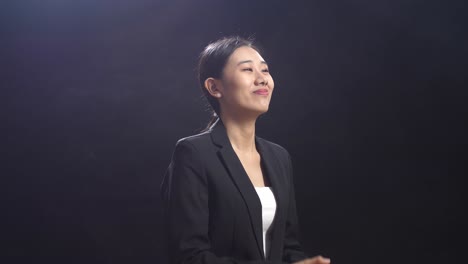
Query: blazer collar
{"x": 237, "y": 173}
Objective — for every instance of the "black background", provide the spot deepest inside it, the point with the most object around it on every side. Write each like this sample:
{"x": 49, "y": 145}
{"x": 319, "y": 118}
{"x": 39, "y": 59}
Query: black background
{"x": 96, "y": 93}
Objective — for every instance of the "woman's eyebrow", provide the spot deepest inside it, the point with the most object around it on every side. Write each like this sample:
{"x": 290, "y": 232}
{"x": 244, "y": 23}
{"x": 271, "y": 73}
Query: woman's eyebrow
{"x": 249, "y": 61}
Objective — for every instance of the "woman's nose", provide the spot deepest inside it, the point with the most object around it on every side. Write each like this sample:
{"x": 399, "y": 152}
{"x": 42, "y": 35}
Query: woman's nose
{"x": 261, "y": 80}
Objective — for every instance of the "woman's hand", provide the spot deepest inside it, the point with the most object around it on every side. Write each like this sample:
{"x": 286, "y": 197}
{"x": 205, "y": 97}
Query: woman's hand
{"x": 314, "y": 260}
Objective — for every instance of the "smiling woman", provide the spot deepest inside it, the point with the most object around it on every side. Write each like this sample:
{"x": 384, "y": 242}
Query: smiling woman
{"x": 225, "y": 57}
{"x": 229, "y": 194}
{"x": 245, "y": 87}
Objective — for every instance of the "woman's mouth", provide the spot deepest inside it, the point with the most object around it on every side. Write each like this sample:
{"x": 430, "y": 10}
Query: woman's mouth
{"x": 261, "y": 91}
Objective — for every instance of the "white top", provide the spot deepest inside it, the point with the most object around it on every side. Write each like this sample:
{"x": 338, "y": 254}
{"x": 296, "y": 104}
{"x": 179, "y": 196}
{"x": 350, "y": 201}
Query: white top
{"x": 268, "y": 214}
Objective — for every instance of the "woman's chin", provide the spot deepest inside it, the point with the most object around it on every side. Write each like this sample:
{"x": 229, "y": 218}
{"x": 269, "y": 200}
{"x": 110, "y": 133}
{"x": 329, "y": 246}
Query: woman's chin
{"x": 252, "y": 112}
{"x": 261, "y": 110}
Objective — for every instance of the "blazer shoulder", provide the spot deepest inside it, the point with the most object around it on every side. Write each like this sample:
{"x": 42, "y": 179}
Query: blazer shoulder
{"x": 195, "y": 140}
{"x": 274, "y": 147}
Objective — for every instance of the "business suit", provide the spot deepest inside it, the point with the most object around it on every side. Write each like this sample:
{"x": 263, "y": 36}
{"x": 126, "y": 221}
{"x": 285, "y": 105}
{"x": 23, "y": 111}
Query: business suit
{"x": 213, "y": 212}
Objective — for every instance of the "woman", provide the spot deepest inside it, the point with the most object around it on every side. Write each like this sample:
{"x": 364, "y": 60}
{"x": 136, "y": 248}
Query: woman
{"x": 228, "y": 194}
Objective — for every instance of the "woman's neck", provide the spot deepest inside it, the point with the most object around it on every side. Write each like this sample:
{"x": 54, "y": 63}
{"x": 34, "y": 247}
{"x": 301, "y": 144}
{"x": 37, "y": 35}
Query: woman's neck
{"x": 241, "y": 133}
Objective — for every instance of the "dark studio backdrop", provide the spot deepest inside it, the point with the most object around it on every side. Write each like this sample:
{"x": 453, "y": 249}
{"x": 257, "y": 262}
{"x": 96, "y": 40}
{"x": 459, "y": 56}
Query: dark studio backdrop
{"x": 96, "y": 93}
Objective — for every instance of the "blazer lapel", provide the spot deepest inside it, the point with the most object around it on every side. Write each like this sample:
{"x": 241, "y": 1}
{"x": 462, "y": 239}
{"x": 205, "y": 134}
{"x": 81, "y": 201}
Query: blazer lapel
{"x": 271, "y": 165}
{"x": 240, "y": 178}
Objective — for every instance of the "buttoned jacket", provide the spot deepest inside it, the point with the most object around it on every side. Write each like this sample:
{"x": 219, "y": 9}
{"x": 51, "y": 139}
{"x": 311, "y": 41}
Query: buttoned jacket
{"x": 212, "y": 211}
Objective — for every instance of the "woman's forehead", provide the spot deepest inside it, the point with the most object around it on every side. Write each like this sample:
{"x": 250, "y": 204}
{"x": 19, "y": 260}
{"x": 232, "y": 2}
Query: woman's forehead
{"x": 245, "y": 54}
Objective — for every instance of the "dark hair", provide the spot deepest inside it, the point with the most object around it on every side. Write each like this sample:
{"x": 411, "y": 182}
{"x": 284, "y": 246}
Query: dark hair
{"x": 211, "y": 64}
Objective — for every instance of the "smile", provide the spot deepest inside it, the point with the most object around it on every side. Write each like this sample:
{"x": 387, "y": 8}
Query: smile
{"x": 261, "y": 92}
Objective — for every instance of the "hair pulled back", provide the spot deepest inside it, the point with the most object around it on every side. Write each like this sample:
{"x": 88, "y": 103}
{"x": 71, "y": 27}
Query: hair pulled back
{"x": 211, "y": 63}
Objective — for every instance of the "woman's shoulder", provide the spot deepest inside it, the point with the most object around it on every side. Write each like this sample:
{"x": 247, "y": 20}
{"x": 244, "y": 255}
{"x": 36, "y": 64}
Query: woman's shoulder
{"x": 273, "y": 147}
{"x": 196, "y": 141}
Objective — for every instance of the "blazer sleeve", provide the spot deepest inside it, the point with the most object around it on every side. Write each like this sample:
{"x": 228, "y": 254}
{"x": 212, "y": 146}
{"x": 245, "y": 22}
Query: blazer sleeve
{"x": 187, "y": 210}
{"x": 293, "y": 251}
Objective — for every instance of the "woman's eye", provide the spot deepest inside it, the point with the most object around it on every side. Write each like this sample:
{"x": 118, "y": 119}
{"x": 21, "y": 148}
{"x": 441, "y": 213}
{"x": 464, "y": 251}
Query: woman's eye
{"x": 247, "y": 69}
{"x": 265, "y": 70}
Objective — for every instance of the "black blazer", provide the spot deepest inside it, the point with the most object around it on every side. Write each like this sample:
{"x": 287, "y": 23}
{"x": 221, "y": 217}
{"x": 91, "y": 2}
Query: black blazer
{"x": 213, "y": 212}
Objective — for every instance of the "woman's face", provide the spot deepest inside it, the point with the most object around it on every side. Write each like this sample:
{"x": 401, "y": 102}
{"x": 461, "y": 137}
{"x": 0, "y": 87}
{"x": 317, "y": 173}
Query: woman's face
{"x": 246, "y": 84}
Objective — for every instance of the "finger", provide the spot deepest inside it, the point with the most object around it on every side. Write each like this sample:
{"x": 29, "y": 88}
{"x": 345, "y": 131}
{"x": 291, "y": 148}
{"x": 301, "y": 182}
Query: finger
{"x": 318, "y": 260}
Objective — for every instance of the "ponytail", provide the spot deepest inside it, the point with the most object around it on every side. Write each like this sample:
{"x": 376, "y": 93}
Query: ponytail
{"x": 213, "y": 120}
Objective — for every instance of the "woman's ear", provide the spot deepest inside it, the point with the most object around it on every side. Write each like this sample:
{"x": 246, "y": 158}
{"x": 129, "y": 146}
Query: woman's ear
{"x": 212, "y": 86}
